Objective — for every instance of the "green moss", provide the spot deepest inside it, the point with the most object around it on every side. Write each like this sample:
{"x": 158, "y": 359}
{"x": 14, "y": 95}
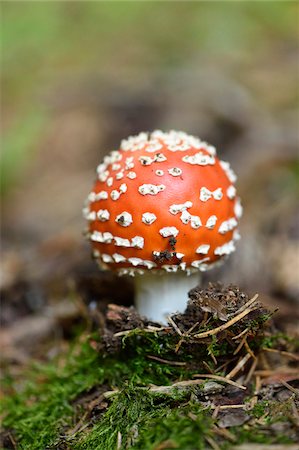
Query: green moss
{"x": 44, "y": 406}
{"x": 274, "y": 340}
{"x": 144, "y": 420}
{"x": 260, "y": 409}
{"x": 259, "y": 436}
{"x": 47, "y": 412}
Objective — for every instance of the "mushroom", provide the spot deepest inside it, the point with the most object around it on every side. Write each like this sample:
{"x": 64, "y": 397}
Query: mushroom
{"x": 163, "y": 209}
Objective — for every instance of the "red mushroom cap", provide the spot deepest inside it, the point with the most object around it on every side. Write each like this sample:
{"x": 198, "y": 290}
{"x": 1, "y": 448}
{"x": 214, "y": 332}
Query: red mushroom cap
{"x": 163, "y": 201}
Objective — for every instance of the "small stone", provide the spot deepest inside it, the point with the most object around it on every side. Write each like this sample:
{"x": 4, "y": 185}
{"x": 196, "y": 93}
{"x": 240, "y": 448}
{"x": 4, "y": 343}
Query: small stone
{"x": 233, "y": 418}
{"x": 211, "y": 387}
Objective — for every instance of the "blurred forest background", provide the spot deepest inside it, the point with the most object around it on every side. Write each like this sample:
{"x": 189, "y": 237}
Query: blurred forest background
{"x": 79, "y": 76}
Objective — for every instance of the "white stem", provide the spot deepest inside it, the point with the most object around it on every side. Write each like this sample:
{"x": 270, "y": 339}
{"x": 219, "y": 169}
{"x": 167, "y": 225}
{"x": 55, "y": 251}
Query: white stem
{"x": 157, "y": 296}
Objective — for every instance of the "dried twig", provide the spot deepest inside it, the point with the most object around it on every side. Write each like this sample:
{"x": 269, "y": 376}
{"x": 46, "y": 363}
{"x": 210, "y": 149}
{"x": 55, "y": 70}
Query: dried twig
{"x": 247, "y": 304}
{"x": 119, "y": 440}
{"x": 159, "y": 389}
{"x": 278, "y": 370}
{"x": 242, "y": 342}
{"x": 258, "y": 385}
{"x": 282, "y": 353}
{"x": 249, "y": 349}
{"x": 251, "y": 371}
{"x": 219, "y": 378}
{"x": 212, "y": 443}
{"x": 206, "y": 365}
{"x": 234, "y": 338}
{"x": 223, "y": 432}
{"x": 290, "y": 388}
{"x": 187, "y": 334}
{"x": 216, "y": 412}
{"x": 174, "y": 325}
{"x": 73, "y": 431}
{"x": 226, "y": 325}
{"x": 166, "y": 361}
{"x": 146, "y": 330}
{"x": 221, "y": 407}
{"x": 239, "y": 366}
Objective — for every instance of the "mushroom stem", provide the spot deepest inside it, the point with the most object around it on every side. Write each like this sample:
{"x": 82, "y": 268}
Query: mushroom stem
{"x": 157, "y": 296}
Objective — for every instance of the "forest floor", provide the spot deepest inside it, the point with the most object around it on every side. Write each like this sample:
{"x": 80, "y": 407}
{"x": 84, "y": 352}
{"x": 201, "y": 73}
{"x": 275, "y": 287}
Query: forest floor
{"x": 222, "y": 375}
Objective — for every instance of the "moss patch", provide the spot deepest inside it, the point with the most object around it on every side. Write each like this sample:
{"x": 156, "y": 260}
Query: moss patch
{"x": 156, "y": 387}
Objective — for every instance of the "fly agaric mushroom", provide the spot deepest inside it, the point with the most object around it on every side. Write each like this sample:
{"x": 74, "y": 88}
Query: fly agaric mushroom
{"x": 163, "y": 208}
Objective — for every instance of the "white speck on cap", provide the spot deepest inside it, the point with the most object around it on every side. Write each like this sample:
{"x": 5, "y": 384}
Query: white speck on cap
{"x": 105, "y": 237}
{"x": 103, "y": 176}
{"x": 231, "y": 192}
{"x": 106, "y": 258}
{"x": 116, "y": 166}
{"x": 203, "y": 249}
{"x": 159, "y": 172}
{"x": 91, "y": 215}
{"x": 151, "y": 189}
{"x": 91, "y": 197}
{"x": 137, "y": 242}
{"x": 185, "y": 217}
{"x": 175, "y": 171}
{"x": 169, "y": 231}
{"x": 170, "y": 267}
{"x": 96, "y": 253}
{"x": 146, "y": 160}
{"x": 123, "y": 188}
{"x": 153, "y": 146}
{"x": 115, "y": 195}
{"x": 85, "y": 212}
{"x": 148, "y": 218}
{"x": 199, "y": 159}
{"x": 217, "y": 194}
{"x": 180, "y": 255}
{"x": 211, "y": 222}
{"x": 210, "y": 149}
{"x": 119, "y": 175}
{"x": 238, "y": 209}
{"x": 228, "y": 225}
{"x": 229, "y": 171}
{"x": 225, "y": 249}
{"x": 197, "y": 263}
{"x": 179, "y": 147}
{"x": 121, "y": 242}
{"x": 118, "y": 258}
{"x": 132, "y": 175}
{"x": 195, "y": 222}
{"x": 110, "y": 181}
{"x": 116, "y": 155}
{"x": 206, "y": 194}
{"x": 124, "y": 219}
{"x": 160, "y": 157}
{"x": 101, "y": 168}
{"x": 236, "y": 235}
{"x": 149, "y": 264}
{"x": 103, "y": 195}
{"x": 175, "y": 209}
{"x": 103, "y": 215}
{"x": 129, "y": 162}
{"x": 135, "y": 261}
{"x": 134, "y": 142}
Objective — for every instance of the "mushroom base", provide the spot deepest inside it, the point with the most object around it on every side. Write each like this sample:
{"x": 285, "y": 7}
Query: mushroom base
{"x": 158, "y": 296}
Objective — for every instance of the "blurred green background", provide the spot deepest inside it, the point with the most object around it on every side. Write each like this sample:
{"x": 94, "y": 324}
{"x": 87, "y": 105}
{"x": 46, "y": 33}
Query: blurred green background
{"x": 78, "y": 76}
{"x": 48, "y": 45}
